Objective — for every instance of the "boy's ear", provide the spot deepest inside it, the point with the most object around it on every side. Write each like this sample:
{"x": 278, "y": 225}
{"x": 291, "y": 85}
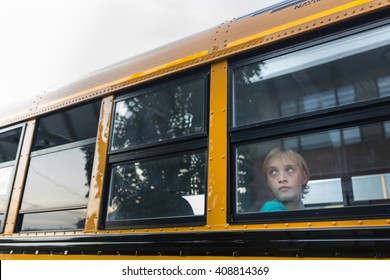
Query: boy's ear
{"x": 306, "y": 178}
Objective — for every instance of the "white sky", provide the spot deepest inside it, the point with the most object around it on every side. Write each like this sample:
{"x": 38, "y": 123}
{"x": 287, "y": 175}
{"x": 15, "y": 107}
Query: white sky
{"x": 45, "y": 44}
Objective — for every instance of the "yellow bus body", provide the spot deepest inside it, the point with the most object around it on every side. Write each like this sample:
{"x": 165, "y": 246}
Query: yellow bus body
{"x": 213, "y": 48}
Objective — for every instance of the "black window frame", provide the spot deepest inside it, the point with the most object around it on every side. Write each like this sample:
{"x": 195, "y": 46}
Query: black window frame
{"x": 196, "y": 142}
{"x": 362, "y": 112}
{"x": 12, "y": 163}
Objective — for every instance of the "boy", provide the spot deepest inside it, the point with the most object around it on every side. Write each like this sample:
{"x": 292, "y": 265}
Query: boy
{"x": 286, "y": 174}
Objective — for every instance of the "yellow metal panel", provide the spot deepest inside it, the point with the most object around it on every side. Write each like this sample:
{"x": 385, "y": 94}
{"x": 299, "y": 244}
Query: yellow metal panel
{"x": 334, "y": 10}
{"x": 20, "y": 177}
{"x": 99, "y": 166}
{"x": 217, "y": 174}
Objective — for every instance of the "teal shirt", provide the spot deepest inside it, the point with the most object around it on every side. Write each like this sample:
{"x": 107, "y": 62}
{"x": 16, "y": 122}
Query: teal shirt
{"x": 272, "y": 206}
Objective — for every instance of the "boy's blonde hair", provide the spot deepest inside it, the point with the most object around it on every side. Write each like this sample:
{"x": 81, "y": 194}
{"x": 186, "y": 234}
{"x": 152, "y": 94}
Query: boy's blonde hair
{"x": 292, "y": 155}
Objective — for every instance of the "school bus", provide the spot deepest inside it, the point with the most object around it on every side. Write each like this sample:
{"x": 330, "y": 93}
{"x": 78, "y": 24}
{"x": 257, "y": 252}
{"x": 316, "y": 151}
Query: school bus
{"x": 161, "y": 155}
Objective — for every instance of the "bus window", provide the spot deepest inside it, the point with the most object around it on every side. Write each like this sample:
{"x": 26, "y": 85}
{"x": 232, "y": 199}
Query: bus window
{"x": 73, "y": 125}
{"x": 163, "y": 114}
{"x": 158, "y": 155}
{"x": 57, "y": 185}
{"x": 9, "y": 150}
{"x": 345, "y": 169}
{"x": 319, "y": 102}
{"x": 173, "y": 186}
{"x": 312, "y": 79}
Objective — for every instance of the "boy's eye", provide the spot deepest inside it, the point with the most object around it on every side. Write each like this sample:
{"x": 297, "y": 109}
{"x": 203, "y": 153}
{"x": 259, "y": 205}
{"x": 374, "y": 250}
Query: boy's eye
{"x": 272, "y": 172}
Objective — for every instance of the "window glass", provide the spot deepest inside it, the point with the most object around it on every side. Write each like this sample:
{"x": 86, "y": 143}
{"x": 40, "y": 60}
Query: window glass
{"x": 160, "y": 187}
{"x": 10, "y": 139}
{"x": 5, "y": 178}
{"x": 73, "y": 125}
{"x": 324, "y": 192}
{"x": 372, "y": 187}
{"x": 345, "y": 167}
{"x": 312, "y": 79}
{"x": 160, "y": 115}
{"x": 59, "y": 178}
{"x": 387, "y": 184}
{"x": 1, "y": 220}
{"x": 57, "y": 185}
{"x": 57, "y": 220}
{"x": 9, "y": 143}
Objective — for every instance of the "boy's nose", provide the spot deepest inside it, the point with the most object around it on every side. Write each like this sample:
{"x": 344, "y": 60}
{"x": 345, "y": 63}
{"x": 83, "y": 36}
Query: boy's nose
{"x": 282, "y": 177}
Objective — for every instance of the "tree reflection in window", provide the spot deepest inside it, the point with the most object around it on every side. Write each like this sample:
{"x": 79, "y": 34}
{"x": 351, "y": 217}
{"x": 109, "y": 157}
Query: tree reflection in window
{"x": 163, "y": 187}
{"x": 158, "y": 153}
{"x": 161, "y": 115}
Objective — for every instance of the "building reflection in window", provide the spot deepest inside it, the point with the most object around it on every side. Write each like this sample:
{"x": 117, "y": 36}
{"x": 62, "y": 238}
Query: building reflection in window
{"x": 349, "y": 166}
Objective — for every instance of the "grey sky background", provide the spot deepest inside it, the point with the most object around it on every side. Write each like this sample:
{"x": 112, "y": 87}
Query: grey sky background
{"x": 46, "y": 44}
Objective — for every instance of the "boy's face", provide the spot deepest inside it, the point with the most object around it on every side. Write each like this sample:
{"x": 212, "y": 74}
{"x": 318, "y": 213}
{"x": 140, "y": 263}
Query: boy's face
{"x": 285, "y": 178}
